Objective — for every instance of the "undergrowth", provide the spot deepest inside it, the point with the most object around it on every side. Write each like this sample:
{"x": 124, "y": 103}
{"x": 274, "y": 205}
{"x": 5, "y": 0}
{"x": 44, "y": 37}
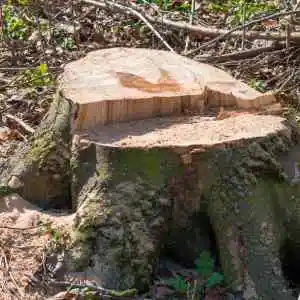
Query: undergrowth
{"x": 195, "y": 289}
{"x": 239, "y": 11}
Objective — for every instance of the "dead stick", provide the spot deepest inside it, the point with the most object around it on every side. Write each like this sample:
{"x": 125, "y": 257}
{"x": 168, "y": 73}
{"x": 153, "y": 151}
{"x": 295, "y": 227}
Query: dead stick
{"x": 235, "y": 32}
{"x": 209, "y": 31}
{"x": 187, "y": 41}
{"x": 240, "y": 54}
{"x": 132, "y": 12}
{"x": 25, "y": 228}
{"x": 20, "y": 122}
{"x": 253, "y": 34}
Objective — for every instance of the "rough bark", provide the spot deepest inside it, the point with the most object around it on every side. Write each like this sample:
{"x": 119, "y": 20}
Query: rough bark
{"x": 123, "y": 212}
{"x": 131, "y": 202}
{"x": 235, "y": 185}
{"x": 40, "y": 171}
{"x": 244, "y": 208}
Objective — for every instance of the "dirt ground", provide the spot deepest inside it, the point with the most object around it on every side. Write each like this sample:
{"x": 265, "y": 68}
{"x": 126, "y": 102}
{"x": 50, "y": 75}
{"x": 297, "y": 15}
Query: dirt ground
{"x": 23, "y": 246}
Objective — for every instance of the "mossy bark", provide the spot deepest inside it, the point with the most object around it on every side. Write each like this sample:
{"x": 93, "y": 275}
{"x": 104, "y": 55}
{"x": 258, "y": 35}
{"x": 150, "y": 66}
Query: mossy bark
{"x": 131, "y": 189}
{"x": 244, "y": 208}
{"x": 124, "y": 207}
{"x": 40, "y": 171}
{"x": 131, "y": 202}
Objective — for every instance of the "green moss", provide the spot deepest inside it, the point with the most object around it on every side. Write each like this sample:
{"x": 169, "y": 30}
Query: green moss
{"x": 40, "y": 148}
{"x": 154, "y": 166}
{"x": 250, "y": 205}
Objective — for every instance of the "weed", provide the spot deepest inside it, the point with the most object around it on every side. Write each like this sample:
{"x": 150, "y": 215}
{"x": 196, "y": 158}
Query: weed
{"x": 57, "y": 238}
{"x": 67, "y": 43}
{"x": 238, "y": 10}
{"x": 5, "y": 191}
{"x": 204, "y": 264}
{"x": 195, "y": 289}
{"x": 179, "y": 5}
{"x": 257, "y": 84}
{"x": 14, "y": 25}
{"x": 214, "y": 279}
{"x": 177, "y": 283}
{"x": 38, "y": 77}
{"x": 18, "y": 2}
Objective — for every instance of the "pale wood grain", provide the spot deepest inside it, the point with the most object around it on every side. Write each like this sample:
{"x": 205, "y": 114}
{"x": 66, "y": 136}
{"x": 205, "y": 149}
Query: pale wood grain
{"x": 123, "y": 84}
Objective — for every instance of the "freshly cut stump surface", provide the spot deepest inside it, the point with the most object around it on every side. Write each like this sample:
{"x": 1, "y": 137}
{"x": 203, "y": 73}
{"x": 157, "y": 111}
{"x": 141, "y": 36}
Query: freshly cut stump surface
{"x": 122, "y": 84}
{"x": 186, "y": 131}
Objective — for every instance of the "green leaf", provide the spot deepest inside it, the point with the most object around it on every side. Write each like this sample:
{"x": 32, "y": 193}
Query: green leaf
{"x": 214, "y": 279}
{"x": 204, "y": 264}
{"x": 42, "y": 68}
{"x": 178, "y": 283}
{"x": 5, "y": 191}
{"x": 57, "y": 236}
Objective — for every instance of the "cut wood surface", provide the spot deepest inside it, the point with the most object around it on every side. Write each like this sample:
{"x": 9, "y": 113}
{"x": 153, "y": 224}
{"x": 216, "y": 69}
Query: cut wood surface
{"x": 187, "y": 131}
{"x": 123, "y": 84}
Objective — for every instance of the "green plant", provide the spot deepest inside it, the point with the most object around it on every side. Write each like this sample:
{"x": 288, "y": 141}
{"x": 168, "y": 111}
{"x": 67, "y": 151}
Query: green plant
{"x": 180, "y": 5}
{"x": 205, "y": 267}
{"x": 67, "y": 43}
{"x": 257, "y": 84}
{"x": 214, "y": 279}
{"x": 177, "y": 283}
{"x": 14, "y": 25}
{"x": 204, "y": 264}
{"x": 241, "y": 10}
{"x": 18, "y": 2}
{"x": 38, "y": 77}
{"x": 5, "y": 191}
{"x": 56, "y": 237}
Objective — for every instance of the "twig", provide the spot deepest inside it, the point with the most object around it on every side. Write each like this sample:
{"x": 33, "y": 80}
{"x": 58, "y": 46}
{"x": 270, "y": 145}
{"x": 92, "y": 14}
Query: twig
{"x": 244, "y": 28}
{"x": 12, "y": 69}
{"x": 251, "y": 34}
{"x": 120, "y": 295}
{"x": 25, "y": 228}
{"x": 213, "y": 32}
{"x": 187, "y": 41}
{"x": 26, "y": 246}
{"x": 239, "y": 55}
{"x": 131, "y": 11}
{"x": 17, "y": 228}
{"x": 7, "y": 268}
{"x": 16, "y": 285}
{"x": 204, "y": 30}
{"x": 20, "y": 122}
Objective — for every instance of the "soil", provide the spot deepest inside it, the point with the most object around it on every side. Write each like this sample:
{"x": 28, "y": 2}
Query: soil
{"x": 23, "y": 245}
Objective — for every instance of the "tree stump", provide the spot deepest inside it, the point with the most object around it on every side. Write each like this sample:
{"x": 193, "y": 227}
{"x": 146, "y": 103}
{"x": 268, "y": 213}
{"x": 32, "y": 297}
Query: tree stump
{"x": 135, "y": 145}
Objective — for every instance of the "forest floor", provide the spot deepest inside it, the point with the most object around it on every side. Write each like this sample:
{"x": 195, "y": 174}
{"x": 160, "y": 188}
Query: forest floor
{"x": 256, "y": 41}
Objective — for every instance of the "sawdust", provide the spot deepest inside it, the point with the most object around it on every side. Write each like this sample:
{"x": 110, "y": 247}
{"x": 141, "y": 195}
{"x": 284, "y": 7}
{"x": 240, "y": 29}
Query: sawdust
{"x": 22, "y": 245}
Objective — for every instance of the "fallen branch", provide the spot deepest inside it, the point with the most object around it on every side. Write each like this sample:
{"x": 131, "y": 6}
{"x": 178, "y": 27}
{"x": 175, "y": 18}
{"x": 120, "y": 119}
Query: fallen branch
{"x": 100, "y": 290}
{"x": 249, "y": 53}
{"x": 235, "y": 32}
{"x": 220, "y": 34}
{"x": 75, "y": 295}
{"x": 14, "y": 69}
{"x": 25, "y": 228}
{"x": 25, "y": 126}
{"x": 131, "y": 11}
{"x": 239, "y": 31}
